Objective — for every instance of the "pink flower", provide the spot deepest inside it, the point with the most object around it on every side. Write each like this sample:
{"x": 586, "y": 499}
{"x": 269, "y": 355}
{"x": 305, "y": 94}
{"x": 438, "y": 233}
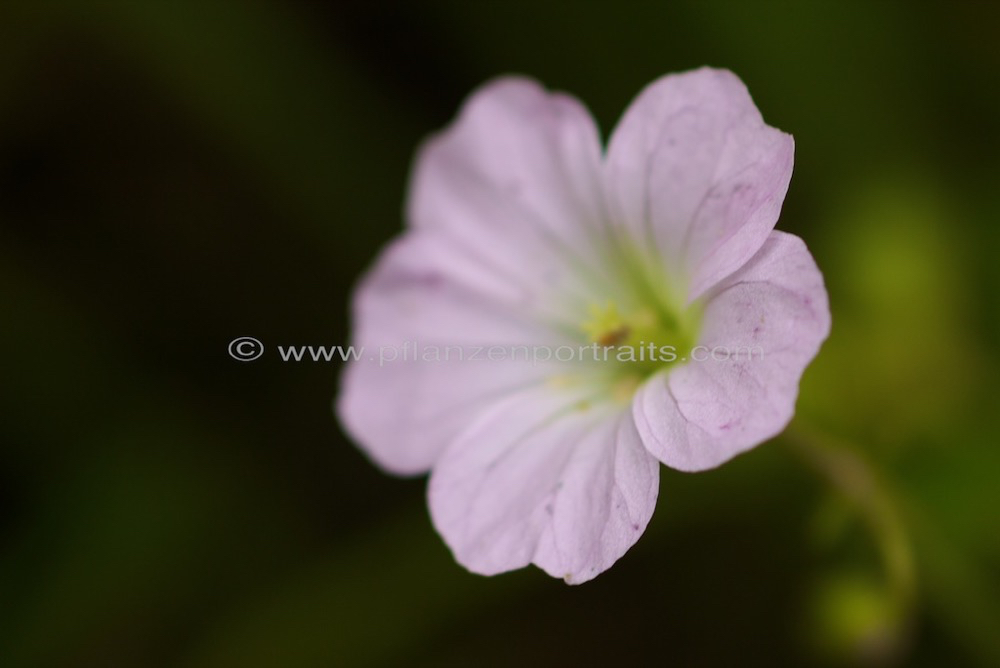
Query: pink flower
{"x": 523, "y": 232}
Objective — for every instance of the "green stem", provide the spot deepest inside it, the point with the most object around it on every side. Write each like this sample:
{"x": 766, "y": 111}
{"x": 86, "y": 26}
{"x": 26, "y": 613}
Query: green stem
{"x": 854, "y": 476}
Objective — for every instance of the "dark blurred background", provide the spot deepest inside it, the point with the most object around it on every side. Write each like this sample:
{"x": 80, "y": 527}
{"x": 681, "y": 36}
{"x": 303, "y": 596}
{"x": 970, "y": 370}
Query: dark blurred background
{"x": 177, "y": 174}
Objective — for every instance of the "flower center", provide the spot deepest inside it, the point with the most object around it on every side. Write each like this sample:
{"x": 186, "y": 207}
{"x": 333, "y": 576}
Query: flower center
{"x": 636, "y": 325}
{"x": 638, "y": 342}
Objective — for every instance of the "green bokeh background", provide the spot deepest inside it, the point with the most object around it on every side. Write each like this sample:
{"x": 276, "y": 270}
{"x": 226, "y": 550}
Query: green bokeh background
{"x": 174, "y": 175}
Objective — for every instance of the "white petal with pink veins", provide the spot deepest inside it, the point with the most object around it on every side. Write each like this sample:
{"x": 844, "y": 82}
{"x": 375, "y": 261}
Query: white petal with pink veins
{"x": 547, "y": 480}
{"x": 703, "y": 413}
{"x": 695, "y": 173}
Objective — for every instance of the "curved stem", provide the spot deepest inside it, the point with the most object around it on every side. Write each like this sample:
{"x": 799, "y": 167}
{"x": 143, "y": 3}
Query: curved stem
{"x": 851, "y": 474}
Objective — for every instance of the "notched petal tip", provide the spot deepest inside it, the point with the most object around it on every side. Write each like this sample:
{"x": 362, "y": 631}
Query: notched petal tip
{"x": 569, "y": 491}
{"x": 694, "y": 171}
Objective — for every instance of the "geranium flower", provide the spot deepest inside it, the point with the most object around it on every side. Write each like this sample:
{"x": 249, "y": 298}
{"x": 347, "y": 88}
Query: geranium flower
{"x": 521, "y": 231}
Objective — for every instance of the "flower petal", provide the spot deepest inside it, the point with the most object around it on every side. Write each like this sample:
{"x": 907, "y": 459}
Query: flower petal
{"x": 425, "y": 320}
{"x": 694, "y": 172}
{"x": 545, "y": 479}
{"x": 701, "y": 414}
{"x": 515, "y": 183}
